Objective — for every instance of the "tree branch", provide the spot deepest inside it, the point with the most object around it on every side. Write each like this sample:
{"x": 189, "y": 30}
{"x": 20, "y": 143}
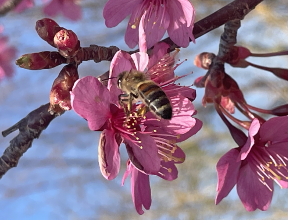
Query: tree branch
{"x": 29, "y": 128}
{"x": 237, "y": 9}
{"x": 35, "y": 122}
{"x": 8, "y": 6}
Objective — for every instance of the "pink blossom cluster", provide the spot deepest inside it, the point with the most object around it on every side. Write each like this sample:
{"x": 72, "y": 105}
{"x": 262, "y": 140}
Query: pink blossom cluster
{"x": 151, "y": 142}
{"x": 69, "y": 8}
{"x": 7, "y": 56}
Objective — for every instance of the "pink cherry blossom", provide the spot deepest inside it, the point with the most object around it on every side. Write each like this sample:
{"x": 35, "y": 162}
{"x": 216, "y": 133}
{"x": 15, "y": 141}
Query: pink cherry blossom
{"x": 92, "y": 100}
{"x": 166, "y": 133}
{"x": 7, "y": 56}
{"x": 150, "y": 142}
{"x": 69, "y": 8}
{"x": 254, "y": 166}
{"x": 150, "y": 19}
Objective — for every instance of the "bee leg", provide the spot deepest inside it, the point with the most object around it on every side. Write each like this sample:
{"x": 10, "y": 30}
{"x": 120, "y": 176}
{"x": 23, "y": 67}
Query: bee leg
{"x": 129, "y": 105}
{"x": 124, "y": 99}
{"x": 143, "y": 110}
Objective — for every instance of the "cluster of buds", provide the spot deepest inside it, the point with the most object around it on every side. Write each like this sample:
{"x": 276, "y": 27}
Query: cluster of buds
{"x": 222, "y": 90}
{"x": 67, "y": 44}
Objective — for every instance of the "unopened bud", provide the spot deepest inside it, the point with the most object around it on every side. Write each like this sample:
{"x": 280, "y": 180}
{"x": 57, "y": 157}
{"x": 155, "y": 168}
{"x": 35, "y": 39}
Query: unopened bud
{"x": 67, "y": 43}
{"x": 41, "y": 60}
{"x": 60, "y": 91}
{"x": 204, "y": 60}
{"x": 46, "y": 29}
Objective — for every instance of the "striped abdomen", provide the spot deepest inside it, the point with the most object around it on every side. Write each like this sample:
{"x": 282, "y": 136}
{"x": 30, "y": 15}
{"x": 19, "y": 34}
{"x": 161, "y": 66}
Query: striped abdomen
{"x": 156, "y": 99}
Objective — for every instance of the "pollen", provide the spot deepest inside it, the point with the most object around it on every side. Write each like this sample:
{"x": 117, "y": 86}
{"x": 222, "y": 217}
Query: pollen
{"x": 141, "y": 147}
{"x": 133, "y": 26}
{"x": 97, "y": 99}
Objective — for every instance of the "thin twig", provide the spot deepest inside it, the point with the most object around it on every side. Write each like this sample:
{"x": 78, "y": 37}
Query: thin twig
{"x": 29, "y": 128}
{"x": 9, "y": 6}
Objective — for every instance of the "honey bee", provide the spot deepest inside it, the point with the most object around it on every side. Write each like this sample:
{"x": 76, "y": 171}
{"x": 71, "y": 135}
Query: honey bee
{"x": 137, "y": 86}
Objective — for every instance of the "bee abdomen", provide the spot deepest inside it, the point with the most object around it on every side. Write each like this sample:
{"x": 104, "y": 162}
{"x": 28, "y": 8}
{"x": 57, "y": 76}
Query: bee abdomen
{"x": 156, "y": 99}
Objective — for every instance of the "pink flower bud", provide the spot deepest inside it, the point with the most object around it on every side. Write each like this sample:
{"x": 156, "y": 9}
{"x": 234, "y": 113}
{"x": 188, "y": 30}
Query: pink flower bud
{"x": 67, "y": 43}
{"x": 60, "y": 91}
{"x": 204, "y": 60}
{"x": 41, "y": 60}
{"x": 46, "y": 29}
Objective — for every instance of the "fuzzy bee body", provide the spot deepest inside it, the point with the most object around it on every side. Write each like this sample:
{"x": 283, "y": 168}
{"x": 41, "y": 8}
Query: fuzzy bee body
{"x": 136, "y": 86}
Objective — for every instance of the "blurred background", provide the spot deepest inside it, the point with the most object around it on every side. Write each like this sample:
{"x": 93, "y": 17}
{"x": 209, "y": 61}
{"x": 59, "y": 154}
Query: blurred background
{"x": 59, "y": 177}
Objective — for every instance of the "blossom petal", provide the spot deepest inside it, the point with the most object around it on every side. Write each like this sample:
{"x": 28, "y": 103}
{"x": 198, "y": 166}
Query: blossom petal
{"x": 227, "y": 170}
{"x": 53, "y": 8}
{"x": 280, "y": 148}
{"x": 253, "y": 130}
{"x": 140, "y": 190}
{"x": 158, "y": 52}
{"x": 282, "y": 183}
{"x": 108, "y": 154}
{"x": 182, "y": 110}
{"x": 145, "y": 152}
{"x": 253, "y": 193}
{"x": 179, "y": 31}
{"x": 275, "y": 129}
{"x": 87, "y": 100}
{"x": 127, "y": 172}
{"x": 116, "y": 10}
{"x": 168, "y": 171}
{"x": 141, "y": 60}
{"x": 121, "y": 61}
{"x": 181, "y": 122}
{"x": 163, "y": 69}
{"x": 194, "y": 129}
{"x": 173, "y": 90}
{"x": 188, "y": 11}
{"x": 142, "y": 35}
{"x": 154, "y": 24}
{"x": 132, "y": 31}
{"x": 72, "y": 10}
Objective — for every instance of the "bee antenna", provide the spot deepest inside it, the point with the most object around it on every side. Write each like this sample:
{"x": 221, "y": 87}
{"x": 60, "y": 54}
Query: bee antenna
{"x": 109, "y": 78}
